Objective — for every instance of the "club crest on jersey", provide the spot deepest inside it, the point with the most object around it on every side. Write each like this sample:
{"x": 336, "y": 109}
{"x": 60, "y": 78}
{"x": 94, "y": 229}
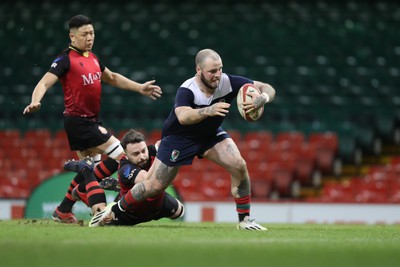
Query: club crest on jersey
{"x": 174, "y": 155}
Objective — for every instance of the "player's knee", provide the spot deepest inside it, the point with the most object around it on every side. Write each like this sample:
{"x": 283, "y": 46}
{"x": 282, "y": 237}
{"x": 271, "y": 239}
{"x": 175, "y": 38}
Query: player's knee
{"x": 97, "y": 159}
{"x": 114, "y": 150}
{"x": 180, "y": 211}
{"x": 242, "y": 165}
{"x": 239, "y": 167}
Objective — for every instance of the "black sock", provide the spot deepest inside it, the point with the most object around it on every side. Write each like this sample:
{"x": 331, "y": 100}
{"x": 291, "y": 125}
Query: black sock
{"x": 67, "y": 203}
{"x": 116, "y": 210}
{"x": 243, "y": 215}
{"x": 82, "y": 187}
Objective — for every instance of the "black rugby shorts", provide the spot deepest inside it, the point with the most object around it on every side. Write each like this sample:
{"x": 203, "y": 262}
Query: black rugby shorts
{"x": 84, "y": 133}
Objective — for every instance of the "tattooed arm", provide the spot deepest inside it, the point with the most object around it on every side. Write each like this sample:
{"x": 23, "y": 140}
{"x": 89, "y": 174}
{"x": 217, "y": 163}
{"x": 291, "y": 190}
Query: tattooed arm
{"x": 267, "y": 95}
{"x": 187, "y": 115}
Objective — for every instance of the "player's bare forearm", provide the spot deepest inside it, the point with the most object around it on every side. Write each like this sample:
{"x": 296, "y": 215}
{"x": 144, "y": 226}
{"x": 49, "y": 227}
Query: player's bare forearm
{"x": 120, "y": 81}
{"x": 188, "y": 115}
{"x": 47, "y": 81}
{"x": 117, "y": 80}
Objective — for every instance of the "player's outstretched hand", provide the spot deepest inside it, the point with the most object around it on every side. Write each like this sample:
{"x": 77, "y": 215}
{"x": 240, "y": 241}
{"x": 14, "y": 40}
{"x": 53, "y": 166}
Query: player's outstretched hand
{"x": 218, "y": 109}
{"x": 151, "y": 90}
{"x": 32, "y": 107}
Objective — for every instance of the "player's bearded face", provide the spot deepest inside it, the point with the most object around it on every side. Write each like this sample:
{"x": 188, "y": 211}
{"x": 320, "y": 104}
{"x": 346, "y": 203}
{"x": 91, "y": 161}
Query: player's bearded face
{"x": 142, "y": 161}
{"x": 210, "y": 73}
{"x": 211, "y": 83}
{"x": 138, "y": 154}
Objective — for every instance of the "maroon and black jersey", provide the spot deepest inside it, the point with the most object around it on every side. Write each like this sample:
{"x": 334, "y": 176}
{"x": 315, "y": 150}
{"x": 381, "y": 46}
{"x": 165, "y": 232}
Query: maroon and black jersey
{"x": 128, "y": 171}
{"x": 80, "y": 76}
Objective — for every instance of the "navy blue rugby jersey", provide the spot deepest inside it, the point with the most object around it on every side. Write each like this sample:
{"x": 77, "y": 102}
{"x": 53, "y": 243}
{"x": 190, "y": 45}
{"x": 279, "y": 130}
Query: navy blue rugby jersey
{"x": 189, "y": 94}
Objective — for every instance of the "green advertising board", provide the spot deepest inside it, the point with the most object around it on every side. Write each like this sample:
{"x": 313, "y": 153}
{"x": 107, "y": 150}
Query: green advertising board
{"x": 48, "y": 195}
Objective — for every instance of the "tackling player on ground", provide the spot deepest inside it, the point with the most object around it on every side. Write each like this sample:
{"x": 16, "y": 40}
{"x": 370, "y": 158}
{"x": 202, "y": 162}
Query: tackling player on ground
{"x": 134, "y": 166}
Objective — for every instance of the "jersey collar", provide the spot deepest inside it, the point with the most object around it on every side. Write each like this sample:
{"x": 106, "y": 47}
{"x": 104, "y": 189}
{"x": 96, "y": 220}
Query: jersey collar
{"x": 83, "y": 53}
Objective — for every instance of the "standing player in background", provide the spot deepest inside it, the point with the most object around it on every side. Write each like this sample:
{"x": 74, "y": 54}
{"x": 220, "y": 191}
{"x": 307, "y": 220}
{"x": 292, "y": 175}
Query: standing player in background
{"x": 193, "y": 128}
{"x": 81, "y": 73}
{"x": 133, "y": 169}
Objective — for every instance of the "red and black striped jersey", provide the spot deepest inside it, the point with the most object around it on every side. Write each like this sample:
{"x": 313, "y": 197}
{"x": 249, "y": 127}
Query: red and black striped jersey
{"x": 128, "y": 171}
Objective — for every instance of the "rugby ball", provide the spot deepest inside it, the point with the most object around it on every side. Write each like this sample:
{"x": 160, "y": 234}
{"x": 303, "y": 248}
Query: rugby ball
{"x": 243, "y": 97}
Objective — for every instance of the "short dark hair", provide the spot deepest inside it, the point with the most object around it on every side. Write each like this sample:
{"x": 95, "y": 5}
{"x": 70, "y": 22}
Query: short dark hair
{"x": 78, "y": 21}
{"x": 131, "y": 136}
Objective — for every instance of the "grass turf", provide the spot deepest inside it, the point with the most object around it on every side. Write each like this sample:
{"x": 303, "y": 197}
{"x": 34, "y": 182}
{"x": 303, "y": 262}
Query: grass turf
{"x": 46, "y": 243}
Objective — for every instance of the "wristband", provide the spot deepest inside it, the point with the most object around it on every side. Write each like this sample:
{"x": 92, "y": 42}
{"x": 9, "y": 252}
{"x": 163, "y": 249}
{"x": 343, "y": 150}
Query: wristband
{"x": 266, "y": 96}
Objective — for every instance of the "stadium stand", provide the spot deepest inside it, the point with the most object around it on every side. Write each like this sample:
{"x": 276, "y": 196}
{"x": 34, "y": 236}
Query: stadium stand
{"x": 334, "y": 65}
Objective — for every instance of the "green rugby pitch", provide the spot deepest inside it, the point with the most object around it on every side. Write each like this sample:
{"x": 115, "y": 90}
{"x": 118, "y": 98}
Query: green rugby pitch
{"x": 46, "y": 243}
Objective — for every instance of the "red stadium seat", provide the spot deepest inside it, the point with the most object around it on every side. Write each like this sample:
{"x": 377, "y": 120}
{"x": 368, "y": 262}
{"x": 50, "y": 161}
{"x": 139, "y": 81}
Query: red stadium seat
{"x": 290, "y": 140}
{"x": 188, "y": 185}
{"x": 38, "y": 133}
{"x": 153, "y": 136}
{"x": 395, "y": 160}
{"x": 304, "y": 169}
{"x": 305, "y": 163}
{"x": 292, "y": 136}
{"x": 15, "y": 154}
{"x": 394, "y": 193}
{"x": 280, "y": 168}
{"x": 5, "y": 164}
{"x": 261, "y": 183}
{"x": 324, "y": 160}
{"x": 254, "y": 156}
{"x": 38, "y": 139}
{"x": 326, "y": 140}
{"x": 235, "y": 135}
{"x": 200, "y": 165}
{"x": 260, "y": 190}
{"x": 326, "y": 145}
{"x": 255, "y": 141}
{"x": 337, "y": 192}
{"x": 9, "y": 134}
{"x": 60, "y": 143}
{"x": 216, "y": 185}
{"x": 283, "y": 181}
{"x": 16, "y": 184}
{"x": 372, "y": 192}
{"x": 60, "y": 135}
{"x": 262, "y": 136}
